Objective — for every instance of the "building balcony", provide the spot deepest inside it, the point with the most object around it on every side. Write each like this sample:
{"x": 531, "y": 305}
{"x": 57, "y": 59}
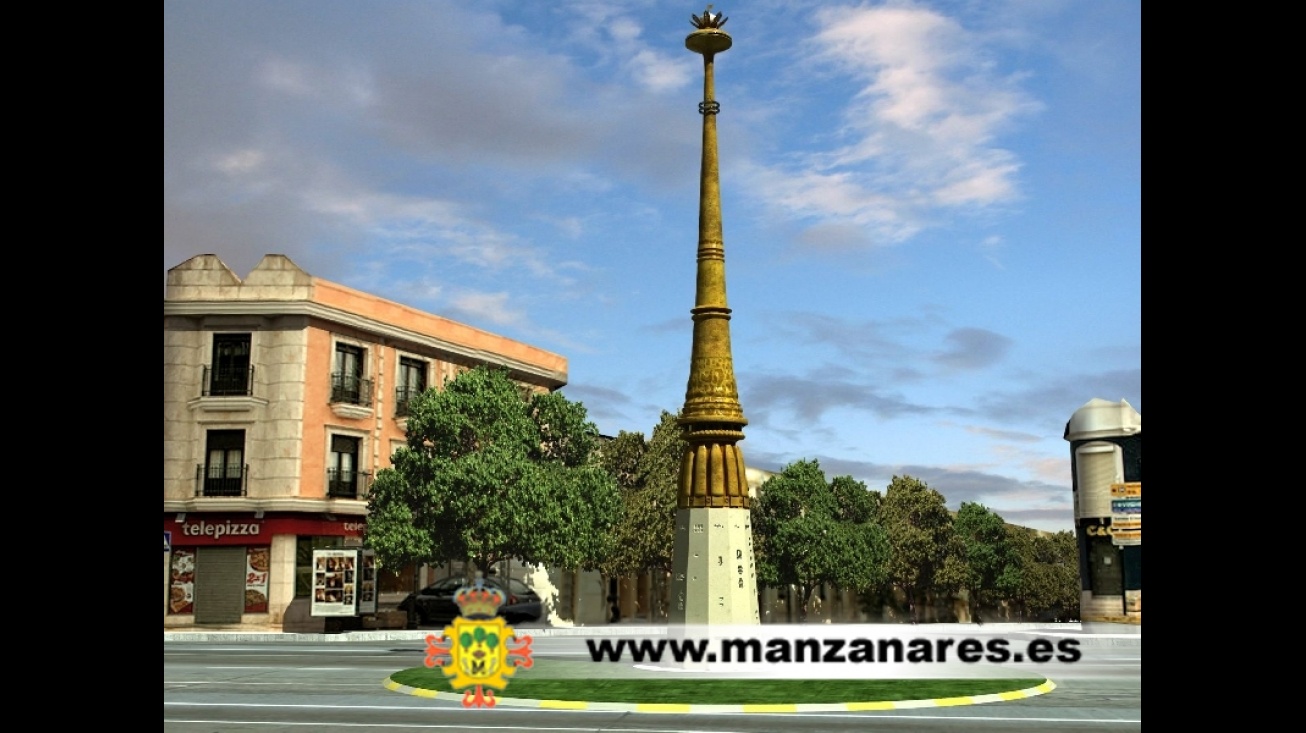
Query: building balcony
{"x": 221, "y": 480}
{"x": 351, "y": 389}
{"x": 403, "y": 397}
{"x": 222, "y": 382}
{"x": 347, "y": 484}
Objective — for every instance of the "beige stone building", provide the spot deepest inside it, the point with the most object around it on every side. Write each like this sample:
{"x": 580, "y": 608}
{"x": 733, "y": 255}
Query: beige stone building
{"x": 283, "y": 394}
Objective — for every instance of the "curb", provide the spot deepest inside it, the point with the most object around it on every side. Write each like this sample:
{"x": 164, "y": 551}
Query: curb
{"x": 840, "y": 707}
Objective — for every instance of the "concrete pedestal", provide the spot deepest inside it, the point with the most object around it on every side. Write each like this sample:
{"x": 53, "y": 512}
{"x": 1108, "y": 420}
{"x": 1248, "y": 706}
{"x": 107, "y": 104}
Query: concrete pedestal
{"x": 714, "y": 581}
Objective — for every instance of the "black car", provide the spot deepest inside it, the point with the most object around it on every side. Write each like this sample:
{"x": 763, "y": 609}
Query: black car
{"x": 435, "y": 602}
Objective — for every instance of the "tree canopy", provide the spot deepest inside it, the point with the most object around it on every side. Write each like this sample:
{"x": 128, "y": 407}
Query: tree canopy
{"x": 1048, "y": 585}
{"x": 808, "y": 532}
{"x": 489, "y": 475}
{"x": 649, "y": 474}
{"x": 992, "y": 568}
{"x": 925, "y": 553}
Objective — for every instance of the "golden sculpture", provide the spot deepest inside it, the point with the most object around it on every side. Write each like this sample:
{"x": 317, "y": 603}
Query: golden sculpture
{"x": 712, "y": 471}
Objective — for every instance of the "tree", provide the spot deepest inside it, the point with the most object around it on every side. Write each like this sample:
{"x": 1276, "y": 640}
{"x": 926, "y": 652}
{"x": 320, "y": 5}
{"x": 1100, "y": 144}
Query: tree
{"x": 924, "y": 551}
{"x": 1049, "y": 583}
{"x": 807, "y": 532}
{"x": 991, "y": 570}
{"x": 649, "y": 476}
{"x": 488, "y": 475}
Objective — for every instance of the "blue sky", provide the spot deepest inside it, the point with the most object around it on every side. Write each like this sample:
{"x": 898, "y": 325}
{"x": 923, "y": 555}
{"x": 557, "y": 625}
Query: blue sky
{"x": 932, "y": 210}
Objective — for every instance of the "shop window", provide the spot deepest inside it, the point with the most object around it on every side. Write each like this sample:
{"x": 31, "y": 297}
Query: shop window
{"x": 224, "y": 468}
{"x": 230, "y": 373}
{"x": 348, "y": 383}
{"x": 398, "y": 580}
{"x": 304, "y": 547}
{"x": 411, "y": 382}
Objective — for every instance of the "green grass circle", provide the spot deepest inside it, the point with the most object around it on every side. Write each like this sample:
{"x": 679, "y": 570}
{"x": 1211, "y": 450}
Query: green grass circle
{"x": 687, "y": 691}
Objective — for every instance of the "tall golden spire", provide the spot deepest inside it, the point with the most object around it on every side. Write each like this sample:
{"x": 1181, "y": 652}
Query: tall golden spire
{"x": 713, "y": 469}
{"x": 714, "y": 580}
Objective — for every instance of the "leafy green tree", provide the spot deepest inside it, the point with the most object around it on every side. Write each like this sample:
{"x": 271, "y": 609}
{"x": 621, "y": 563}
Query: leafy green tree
{"x": 924, "y": 555}
{"x": 649, "y": 475}
{"x": 620, "y": 457}
{"x": 1049, "y": 582}
{"x": 488, "y": 475}
{"x": 807, "y": 532}
{"x": 991, "y": 567}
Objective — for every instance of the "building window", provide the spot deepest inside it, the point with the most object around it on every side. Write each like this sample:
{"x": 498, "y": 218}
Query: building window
{"x": 1097, "y": 466}
{"x": 411, "y": 382}
{"x": 347, "y": 381}
{"x": 230, "y": 374}
{"x": 344, "y": 480}
{"x": 223, "y": 472}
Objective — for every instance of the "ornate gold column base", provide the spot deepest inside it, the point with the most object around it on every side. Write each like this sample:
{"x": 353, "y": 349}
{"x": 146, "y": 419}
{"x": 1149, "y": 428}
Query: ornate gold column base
{"x": 712, "y": 470}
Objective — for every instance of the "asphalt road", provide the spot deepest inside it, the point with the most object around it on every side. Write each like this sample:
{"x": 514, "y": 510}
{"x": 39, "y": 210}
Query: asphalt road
{"x": 217, "y": 687}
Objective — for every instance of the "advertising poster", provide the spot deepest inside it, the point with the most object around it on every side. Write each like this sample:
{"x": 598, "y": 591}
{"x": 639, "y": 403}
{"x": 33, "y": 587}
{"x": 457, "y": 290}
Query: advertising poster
{"x": 257, "y": 560}
{"x": 181, "y": 594}
{"x": 335, "y": 582}
{"x": 367, "y": 590}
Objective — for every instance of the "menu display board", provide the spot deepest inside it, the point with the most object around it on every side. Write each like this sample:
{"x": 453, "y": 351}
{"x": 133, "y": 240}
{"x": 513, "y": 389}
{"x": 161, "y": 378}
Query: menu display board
{"x": 335, "y": 582}
{"x": 181, "y": 592}
{"x": 367, "y": 586}
{"x": 257, "y": 560}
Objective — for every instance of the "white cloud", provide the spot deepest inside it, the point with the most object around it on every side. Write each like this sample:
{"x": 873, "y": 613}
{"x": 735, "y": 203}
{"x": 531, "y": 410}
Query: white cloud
{"x": 624, "y": 30}
{"x": 659, "y": 73}
{"x": 238, "y": 162}
{"x": 288, "y": 77}
{"x": 920, "y": 131}
{"x": 491, "y": 307}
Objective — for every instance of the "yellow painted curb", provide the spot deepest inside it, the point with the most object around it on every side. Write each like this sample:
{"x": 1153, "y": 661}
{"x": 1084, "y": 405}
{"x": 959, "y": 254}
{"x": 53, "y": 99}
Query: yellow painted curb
{"x": 564, "y": 704}
{"x": 648, "y": 707}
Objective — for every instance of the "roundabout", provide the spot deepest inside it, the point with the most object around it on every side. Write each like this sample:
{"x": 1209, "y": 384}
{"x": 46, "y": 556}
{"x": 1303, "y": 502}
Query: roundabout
{"x": 652, "y": 696}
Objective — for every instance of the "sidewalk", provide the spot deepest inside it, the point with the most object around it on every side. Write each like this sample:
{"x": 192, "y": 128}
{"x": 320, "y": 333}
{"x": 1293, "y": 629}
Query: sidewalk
{"x": 1097, "y": 633}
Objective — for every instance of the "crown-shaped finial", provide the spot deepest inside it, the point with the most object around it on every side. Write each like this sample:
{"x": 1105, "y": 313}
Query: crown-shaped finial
{"x": 479, "y": 600}
{"x": 708, "y": 20}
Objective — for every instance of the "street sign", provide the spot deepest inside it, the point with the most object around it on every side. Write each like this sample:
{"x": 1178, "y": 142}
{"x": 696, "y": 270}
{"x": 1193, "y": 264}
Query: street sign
{"x": 1127, "y": 506}
{"x": 1127, "y": 513}
{"x": 1131, "y": 488}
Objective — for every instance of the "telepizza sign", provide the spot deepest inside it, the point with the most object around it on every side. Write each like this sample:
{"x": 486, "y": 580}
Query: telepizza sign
{"x": 247, "y": 529}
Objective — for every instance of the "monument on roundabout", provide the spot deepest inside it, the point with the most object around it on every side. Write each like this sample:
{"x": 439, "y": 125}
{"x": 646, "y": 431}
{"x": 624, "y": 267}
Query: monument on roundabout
{"x": 714, "y": 580}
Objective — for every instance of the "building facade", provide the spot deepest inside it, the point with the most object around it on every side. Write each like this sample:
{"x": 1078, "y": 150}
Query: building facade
{"x": 283, "y": 394}
{"x": 1106, "y": 454}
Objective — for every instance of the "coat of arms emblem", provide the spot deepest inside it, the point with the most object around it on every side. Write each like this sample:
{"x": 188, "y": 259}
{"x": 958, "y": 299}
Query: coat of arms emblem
{"x": 478, "y": 650}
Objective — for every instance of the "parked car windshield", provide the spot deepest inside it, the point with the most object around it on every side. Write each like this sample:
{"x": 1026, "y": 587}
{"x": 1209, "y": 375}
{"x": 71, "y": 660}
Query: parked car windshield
{"x": 519, "y": 588}
{"x": 449, "y": 585}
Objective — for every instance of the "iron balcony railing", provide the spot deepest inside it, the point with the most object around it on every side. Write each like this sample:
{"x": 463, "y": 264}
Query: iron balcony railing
{"x": 221, "y": 480}
{"x": 404, "y": 396}
{"x": 351, "y": 388}
{"x": 347, "y": 484}
{"x": 226, "y": 382}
